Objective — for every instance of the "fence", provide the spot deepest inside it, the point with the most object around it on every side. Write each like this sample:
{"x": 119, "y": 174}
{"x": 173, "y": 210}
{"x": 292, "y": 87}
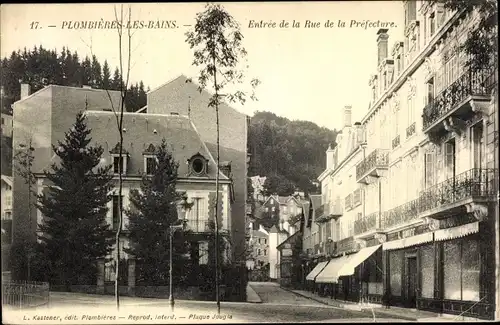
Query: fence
{"x": 25, "y": 294}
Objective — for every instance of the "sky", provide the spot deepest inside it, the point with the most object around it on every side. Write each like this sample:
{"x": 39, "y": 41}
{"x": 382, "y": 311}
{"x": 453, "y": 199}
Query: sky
{"x": 306, "y": 73}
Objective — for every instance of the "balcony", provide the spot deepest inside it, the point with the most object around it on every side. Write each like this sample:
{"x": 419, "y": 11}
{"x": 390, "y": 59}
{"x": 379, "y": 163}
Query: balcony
{"x": 400, "y": 215}
{"x": 469, "y": 94}
{"x": 396, "y": 141}
{"x": 410, "y": 130}
{"x": 356, "y": 198}
{"x": 198, "y": 226}
{"x": 375, "y": 165}
{"x": 367, "y": 225}
{"x": 328, "y": 211}
{"x": 466, "y": 191}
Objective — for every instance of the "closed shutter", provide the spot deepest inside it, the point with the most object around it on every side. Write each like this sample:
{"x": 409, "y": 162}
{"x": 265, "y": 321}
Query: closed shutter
{"x": 430, "y": 165}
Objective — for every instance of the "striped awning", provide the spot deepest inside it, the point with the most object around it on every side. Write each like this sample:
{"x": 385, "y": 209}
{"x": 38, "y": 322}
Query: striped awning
{"x": 330, "y": 273}
{"x": 312, "y": 275}
{"x": 456, "y": 232}
{"x": 358, "y": 258}
{"x": 408, "y": 242}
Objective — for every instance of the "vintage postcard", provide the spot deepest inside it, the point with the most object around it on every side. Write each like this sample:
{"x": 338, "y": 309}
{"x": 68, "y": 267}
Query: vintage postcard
{"x": 259, "y": 162}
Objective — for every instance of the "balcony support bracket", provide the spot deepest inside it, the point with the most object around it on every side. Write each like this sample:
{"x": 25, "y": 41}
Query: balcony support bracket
{"x": 454, "y": 125}
{"x": 480, "y": 107}
{"x": 381, "y": 238}
{"x": 432, "y": 223}
{"x": 480, "y": 211}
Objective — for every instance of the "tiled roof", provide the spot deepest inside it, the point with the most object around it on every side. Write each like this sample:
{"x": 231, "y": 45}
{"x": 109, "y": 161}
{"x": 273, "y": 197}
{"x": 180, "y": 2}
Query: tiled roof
{"x": 142, "y": 130}
{"x": 7, "y": 179}
{"x": 258, "y": 233}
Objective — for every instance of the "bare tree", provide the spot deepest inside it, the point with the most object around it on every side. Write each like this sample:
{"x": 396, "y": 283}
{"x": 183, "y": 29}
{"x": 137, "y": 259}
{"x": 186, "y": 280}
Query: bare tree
{"x": 216, "y": 41}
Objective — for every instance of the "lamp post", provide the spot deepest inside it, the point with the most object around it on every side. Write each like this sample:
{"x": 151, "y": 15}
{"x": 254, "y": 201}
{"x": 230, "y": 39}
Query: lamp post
{"x": 172, "y": 229}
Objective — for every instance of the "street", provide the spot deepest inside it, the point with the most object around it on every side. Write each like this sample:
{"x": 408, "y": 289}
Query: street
{"x": 277, "y": 305}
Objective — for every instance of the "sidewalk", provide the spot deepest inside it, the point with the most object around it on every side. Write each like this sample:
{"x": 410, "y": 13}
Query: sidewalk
{"x": 252, "y": 296}
{"x": 381, "y": 311}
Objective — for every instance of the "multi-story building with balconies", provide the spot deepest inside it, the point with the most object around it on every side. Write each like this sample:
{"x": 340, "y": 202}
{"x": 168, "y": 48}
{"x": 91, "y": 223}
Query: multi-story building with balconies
{"x": 44, "y": 116}
{"x": 428, "y": 174}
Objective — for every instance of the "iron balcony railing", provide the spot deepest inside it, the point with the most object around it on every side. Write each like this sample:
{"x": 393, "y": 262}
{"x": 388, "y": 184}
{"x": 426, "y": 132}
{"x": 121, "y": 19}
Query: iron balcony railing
{"x": 25, "y": 294}
{"x": 470, "y": 83}
{"x": 411, "y": 130}
{"x": 198, "y": 225}
{"x": 396, "y": 141}
{"x": 365, "y": 224}
{"x": 379, "y": 158}
{"x": 401, "y": 214}
{"x": 474, "y": 183}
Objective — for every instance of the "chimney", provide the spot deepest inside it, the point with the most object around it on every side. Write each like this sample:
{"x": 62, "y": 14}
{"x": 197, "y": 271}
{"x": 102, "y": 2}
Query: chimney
{"x": 330, "y": 156}
{"x": 25, "y": 90}
{"x": 347, "y": 116}
{"x": 382, "y": 40}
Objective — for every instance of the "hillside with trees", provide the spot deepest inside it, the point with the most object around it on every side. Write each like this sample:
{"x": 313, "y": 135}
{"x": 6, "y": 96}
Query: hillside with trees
{"x": 40, "y": 67}
{"x": 290, "y": 153}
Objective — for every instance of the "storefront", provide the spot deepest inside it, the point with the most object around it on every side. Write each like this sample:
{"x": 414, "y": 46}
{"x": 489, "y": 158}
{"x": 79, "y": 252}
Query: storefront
{"x": 311, "y": 277}
{"x": 443, "y": 269}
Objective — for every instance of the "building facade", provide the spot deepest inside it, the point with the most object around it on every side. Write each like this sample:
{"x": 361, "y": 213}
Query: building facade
{"x": 44, "y": 116}
{"x": 426, "y": 228}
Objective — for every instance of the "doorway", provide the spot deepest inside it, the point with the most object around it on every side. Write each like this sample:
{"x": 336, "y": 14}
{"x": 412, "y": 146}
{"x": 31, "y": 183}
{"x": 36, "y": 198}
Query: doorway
{"x": 411, "y": 285}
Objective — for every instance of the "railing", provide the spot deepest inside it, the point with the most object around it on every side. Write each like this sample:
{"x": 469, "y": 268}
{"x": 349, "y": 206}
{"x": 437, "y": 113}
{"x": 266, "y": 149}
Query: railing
{"x": 367, "y": 223}
{"x": 401, "y": 214}
{"x": 411, "y": 130}
{"x": 198, "y": 225}
{"x": 470, "y": 83}
{"x": 25, "y": 294}
{"x": 473, "y": 183}
{"x": 356, "y": 197}
{"x": 379, "y": 158}
{"x": 396, "y": 141}
{"x": 319, "y": 211}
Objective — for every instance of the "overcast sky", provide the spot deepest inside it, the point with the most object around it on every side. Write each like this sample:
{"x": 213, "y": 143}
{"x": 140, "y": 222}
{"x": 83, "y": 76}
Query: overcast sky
{"x": 305, "y": 73}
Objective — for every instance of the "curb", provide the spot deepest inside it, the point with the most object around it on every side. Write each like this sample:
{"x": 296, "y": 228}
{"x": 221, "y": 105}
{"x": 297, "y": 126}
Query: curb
{"x": 259, "y": 301}
{"x": 336, "y": 305}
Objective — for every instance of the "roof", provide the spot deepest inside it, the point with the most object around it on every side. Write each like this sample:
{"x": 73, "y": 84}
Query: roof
{"x": 258, "y": 233}
{"x": 305, "y": 211}
{"x": 142, "y": 130}
{"x": 7, "y": 179}
{"x": 315, "y": 201}
{"x": 291, "y": 239}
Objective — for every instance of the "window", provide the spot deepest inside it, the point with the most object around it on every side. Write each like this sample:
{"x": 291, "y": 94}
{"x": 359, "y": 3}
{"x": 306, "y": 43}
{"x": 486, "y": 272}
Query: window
{"x": 411, "y": 109}
{"x": 8, "y": 201}
{"x": 3, "y": 121}
{"x": 149, "y": 165}
{"x": 197, "y": 216}
{"x": 461, "y": 271}
{"x": 198, "y": 165}
{"x": 203, "y": 253}
{"x": 284, "y": 209}
{"x": 430, "y": 169}
{"x": 430, "y": 91}
{"x": 450, "y": 158}
{"x": 273, "y": 208}
{"x": 410, "y": 11}
{"x": 477, "y": 145}
{"x": 119, "y": 164}
{"x": 265, "y": 252}
{"x": 258, "y": 252}
{"x": 116, "y": 213}
{"x": 396, "y": 265}
{"x": 432, "y": 23}
{"x": 267, "y": 209}
{"x": 265, "y": 241}
{"x": 427, "y": 270}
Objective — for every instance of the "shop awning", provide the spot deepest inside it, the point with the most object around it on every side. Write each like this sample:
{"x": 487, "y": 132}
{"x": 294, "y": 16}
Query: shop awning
{"x": 409, "y": 241}
{"x": 393, "y": 244}
{"x": 330, "y": 272}
{"x": 358, "y": 258}
{"x": 312, "y": 275}
{"x": 456, "y": 232}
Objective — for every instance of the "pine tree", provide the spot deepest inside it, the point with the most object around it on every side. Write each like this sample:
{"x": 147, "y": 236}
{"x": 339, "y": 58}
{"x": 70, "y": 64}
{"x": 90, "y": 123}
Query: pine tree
{"x": 87, "y": 71}
{"x": 96, "y": 73}
{"x": 153, "y": 209}
{"x": 106, "y": 76}
{"x": 115, "y": 84}
{"x": 142, "y": 96}
{"x": 74, "y": 232}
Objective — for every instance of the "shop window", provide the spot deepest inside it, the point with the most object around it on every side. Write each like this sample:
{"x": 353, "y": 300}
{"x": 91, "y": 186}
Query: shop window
{"x": 461, "y": 272}
{"x": 396, "y": 265}
{"x": 427, "y": 271}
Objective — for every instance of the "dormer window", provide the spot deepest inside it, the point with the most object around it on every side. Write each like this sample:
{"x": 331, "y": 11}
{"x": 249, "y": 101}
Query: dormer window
{"x": 119, "y": 163}
{"x": 150, "y": 160}
{"x": 198, "y": 165}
